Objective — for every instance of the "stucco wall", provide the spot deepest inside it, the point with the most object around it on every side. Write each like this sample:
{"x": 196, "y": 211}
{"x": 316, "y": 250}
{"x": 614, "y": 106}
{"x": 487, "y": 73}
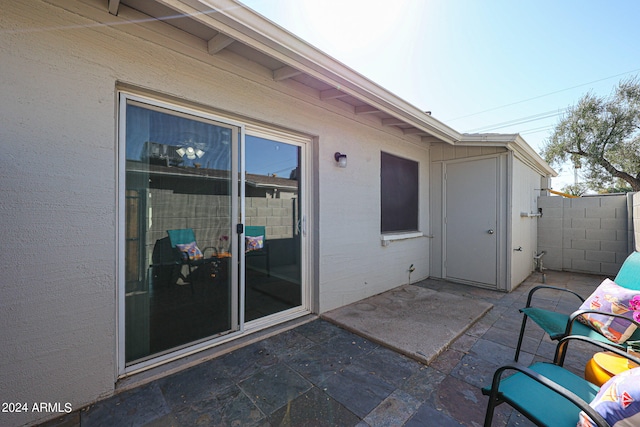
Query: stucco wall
{"x": 58, "y": 186}
{"x": 57, "y": 192}
{"x": 524, "y": 230}
{"x": 587, "y": 234}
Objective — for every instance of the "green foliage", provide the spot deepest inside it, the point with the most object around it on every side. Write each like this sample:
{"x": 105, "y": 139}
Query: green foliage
{"x": 575, "y": 189}
{"x": 619, "y": 186}
{"x": 602, "y": 135}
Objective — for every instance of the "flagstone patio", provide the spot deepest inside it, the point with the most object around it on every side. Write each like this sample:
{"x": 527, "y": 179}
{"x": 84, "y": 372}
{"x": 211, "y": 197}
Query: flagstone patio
{"x": 319, "y": 374}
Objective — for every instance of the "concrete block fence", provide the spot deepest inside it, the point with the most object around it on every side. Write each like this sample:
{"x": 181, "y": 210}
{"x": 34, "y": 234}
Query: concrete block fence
{"x": 587, "y": 234}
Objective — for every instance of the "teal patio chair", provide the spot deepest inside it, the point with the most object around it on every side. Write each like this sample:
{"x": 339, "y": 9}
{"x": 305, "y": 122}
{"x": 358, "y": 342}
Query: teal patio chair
{"x": 558, "y": 325}
{"x": 547, "y": 393}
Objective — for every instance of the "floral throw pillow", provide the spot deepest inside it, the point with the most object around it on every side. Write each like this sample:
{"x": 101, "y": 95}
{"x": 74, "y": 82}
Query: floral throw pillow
{"x": 618, "y": 401}
{"x": 254, "y": 243}
{"x": 611, "y": 298}
{"x": 189, "y": 251}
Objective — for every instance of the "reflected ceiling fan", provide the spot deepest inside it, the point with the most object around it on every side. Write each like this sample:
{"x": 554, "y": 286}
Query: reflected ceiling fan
{"x": 189, "y": 147}
{"x": 190, "y": 152}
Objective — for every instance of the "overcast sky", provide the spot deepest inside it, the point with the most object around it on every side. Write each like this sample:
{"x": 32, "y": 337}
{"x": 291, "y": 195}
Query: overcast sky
{"x": 500, "y": 66}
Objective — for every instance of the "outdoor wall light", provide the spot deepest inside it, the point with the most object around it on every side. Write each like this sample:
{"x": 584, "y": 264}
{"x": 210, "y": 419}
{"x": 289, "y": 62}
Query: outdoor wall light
{"x": 341, "y": 159}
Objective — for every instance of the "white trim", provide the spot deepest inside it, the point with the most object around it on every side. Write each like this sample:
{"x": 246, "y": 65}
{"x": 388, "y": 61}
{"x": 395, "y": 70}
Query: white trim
{"x": 237, "y": 193}
{"x": 507, "y": 253}
{"x": 501, "y": 230}
{"x": 151, "y": 361}
{"x": 120, "y": 238}
{"x": 512, "y": 142}
{"x": 276, "y": 135}
{"x": 195, "y": 113}
{"x": 238, "y": 148}
{"x": 402, "y": 236}
{"x": 274, "y": 319}
{"x": 304, "y": 195}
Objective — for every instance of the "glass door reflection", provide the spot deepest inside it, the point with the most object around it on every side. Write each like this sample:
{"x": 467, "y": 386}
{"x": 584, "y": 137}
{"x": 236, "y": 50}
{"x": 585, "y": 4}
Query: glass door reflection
{"x": 272, "y": 227}
{"x": 178, "y": 230}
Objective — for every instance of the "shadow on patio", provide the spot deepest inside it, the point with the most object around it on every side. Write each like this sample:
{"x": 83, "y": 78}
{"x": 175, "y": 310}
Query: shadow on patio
{"x": 319, "y": 374}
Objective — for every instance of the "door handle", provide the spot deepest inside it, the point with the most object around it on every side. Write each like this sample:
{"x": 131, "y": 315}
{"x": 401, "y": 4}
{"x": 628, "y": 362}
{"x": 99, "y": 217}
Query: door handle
{"x": 490, "y": 231}
{"x": 301, "y": 226}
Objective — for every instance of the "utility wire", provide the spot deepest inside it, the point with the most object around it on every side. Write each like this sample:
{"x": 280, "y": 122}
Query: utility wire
{"x": 536, "y": 130}
{"x": 542, "y": 96}
{"x": 528, "y": 119}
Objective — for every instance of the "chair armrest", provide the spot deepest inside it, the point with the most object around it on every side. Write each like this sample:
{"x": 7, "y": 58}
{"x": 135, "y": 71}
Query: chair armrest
{"x": 546, "y": 382}
{"x": 563, "y": 342}
{"x": 574, "y": 316}
{"x": 555, "y": 288}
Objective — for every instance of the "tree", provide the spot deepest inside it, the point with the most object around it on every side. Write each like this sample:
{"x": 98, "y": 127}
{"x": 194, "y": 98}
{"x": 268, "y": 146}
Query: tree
{"x": 575, "y": 189}
{"x": 601, "y": 135}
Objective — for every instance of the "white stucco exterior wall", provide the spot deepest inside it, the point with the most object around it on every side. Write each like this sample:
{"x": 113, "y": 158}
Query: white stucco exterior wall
{"x": 57, "y": 308}
{"x": 524, "y": 229}
{"x": 353, "y": 262}
{"x": 58, "y": 185}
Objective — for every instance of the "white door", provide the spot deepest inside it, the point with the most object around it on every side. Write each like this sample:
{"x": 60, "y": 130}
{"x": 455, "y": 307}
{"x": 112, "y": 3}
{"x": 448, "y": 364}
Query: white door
{"x": 471, "y": 229}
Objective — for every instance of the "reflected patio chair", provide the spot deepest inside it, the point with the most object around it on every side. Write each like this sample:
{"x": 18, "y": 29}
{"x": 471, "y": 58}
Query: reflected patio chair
{"x": 256, "y": 244}
{"x": 186, "y": 252}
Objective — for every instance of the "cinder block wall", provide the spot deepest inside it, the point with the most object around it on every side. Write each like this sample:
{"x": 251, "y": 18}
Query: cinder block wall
{"x": 277, "y": 215}
{"x": 587, "y": 234}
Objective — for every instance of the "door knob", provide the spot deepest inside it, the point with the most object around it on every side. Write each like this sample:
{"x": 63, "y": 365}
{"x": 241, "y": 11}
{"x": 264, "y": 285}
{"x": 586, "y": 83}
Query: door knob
{"x": 490, "y": 231}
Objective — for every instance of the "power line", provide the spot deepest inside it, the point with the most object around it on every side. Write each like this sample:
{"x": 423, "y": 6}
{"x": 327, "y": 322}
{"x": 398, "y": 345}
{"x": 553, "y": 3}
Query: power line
{"x": 536, "y": 130}
{"x": 542, "y": 96}
{"x": 528, "y": 119}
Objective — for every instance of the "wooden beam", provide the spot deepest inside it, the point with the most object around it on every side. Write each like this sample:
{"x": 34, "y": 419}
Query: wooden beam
{"x": 412, "y": 131}
{"x": 392, "y": 122}
{"x": 284, "y": 73}
{"x": 366, "y": 109}
{"x": 429, "y": 139}
{"x": 218, "y": 43}
{"x": 332, "y": 94}
{"x": 114, "y": 5}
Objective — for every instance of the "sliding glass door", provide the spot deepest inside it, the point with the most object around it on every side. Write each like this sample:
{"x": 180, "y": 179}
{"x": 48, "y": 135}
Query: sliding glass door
{"x": 211, "y": 230}
{"x": 179, "y": 232}
{"x": 273, "y": 226}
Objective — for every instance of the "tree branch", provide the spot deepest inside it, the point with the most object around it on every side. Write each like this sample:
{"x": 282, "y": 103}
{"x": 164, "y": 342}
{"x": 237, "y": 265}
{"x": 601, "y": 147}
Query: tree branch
{"x": 617, "y": 173}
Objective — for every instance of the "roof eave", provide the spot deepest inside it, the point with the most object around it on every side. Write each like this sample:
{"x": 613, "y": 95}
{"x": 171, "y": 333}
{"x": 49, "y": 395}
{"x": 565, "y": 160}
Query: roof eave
{"x": 513, "y": 142}
{"x": 245, "y": 25}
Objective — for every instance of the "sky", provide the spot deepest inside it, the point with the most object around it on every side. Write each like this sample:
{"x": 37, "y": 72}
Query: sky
{"x": 497, "y": 66}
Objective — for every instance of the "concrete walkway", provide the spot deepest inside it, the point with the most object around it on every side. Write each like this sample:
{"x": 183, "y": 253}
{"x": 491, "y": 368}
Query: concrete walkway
{"x": 411, "y": 320}
{"x": 319, "y": 374}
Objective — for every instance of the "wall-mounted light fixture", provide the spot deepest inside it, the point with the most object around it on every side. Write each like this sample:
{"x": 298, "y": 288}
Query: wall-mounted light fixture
{"x": 341, "y": 159}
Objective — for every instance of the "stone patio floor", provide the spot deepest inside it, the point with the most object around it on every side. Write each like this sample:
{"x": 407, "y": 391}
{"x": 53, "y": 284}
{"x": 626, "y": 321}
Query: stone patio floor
{"x": 320, "y": 375}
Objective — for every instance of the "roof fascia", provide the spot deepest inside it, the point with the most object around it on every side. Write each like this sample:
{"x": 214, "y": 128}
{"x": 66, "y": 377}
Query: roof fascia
{"x": 250, "y": 28}
{"x": 513, "y": 142}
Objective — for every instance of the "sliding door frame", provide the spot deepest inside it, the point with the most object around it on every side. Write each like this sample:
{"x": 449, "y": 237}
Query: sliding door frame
{"x": 237, "y": 217}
